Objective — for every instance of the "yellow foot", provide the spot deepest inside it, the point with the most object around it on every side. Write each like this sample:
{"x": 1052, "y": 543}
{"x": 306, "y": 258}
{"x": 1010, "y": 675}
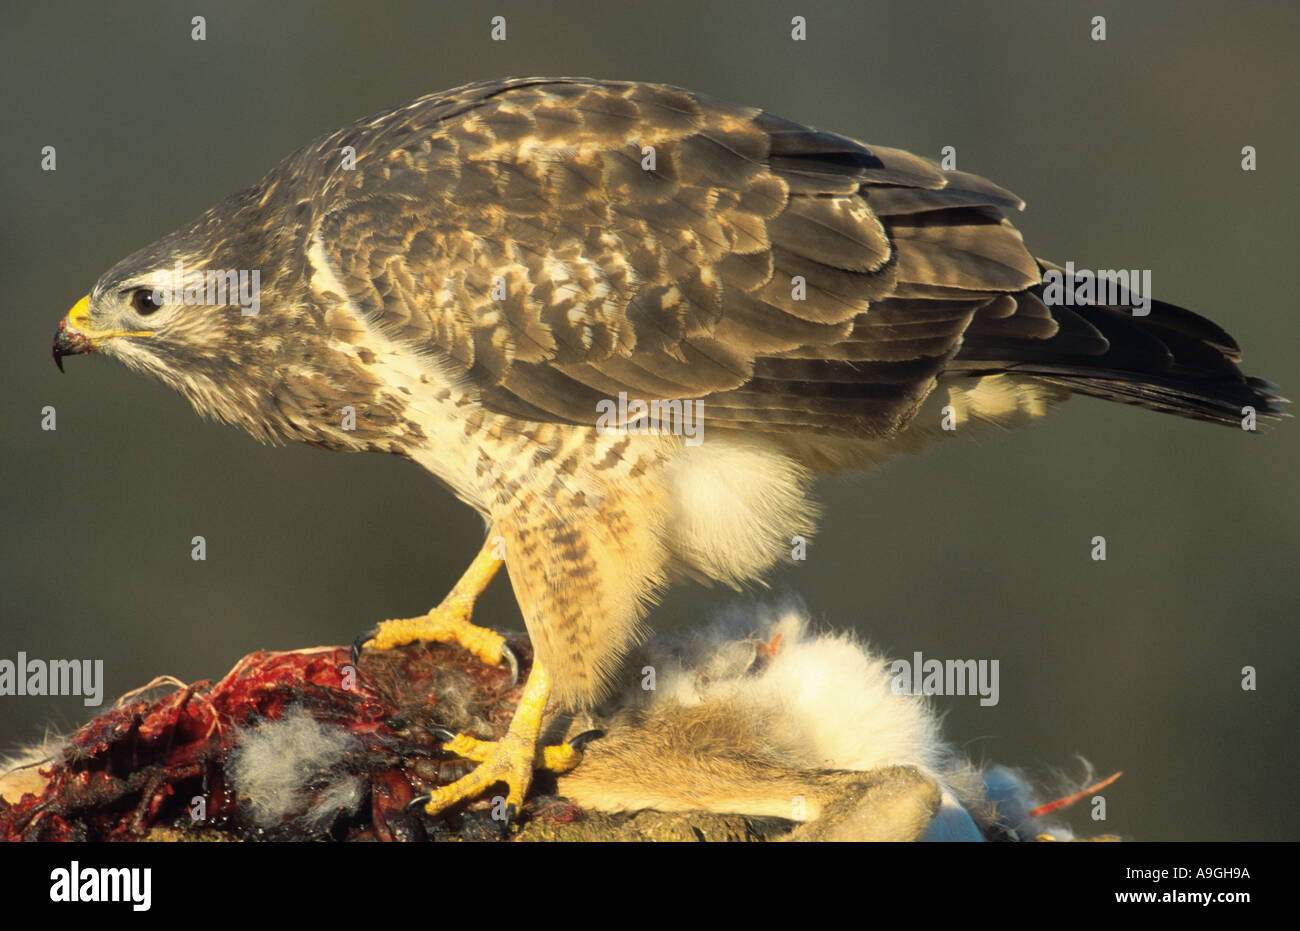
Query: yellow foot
{"x": 556, "y": 758}
{"x": 449, "y": 622}
{"x": 440, "y": 626}
{"x": 510, "y": 760}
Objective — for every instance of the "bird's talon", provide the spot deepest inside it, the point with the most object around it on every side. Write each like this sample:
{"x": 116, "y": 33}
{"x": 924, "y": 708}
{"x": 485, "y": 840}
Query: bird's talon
{"x": 359, "y": 643}
{"x": 509, "y": 656}
{"x": 586, "y": 737}
{"x": 418, "y": 802}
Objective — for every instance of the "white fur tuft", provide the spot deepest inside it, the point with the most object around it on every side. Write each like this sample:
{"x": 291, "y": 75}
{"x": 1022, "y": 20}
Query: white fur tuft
{"x": 735, "y": 506}
{"x": 292, "y": 770}
{"x": 829, "y": 705}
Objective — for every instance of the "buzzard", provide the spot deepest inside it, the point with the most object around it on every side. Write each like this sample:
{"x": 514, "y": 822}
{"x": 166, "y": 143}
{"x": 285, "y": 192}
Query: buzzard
{"x": 523, "y": 285}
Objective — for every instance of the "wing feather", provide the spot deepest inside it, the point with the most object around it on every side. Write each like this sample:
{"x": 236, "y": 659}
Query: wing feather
{"x": 563, "y": 240}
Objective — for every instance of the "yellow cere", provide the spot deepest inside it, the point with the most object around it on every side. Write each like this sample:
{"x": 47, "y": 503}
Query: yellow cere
{"x": 78, "y": 318}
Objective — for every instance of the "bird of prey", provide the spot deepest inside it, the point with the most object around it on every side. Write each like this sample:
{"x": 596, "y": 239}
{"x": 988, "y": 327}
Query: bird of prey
{"x": 477, "y": 279}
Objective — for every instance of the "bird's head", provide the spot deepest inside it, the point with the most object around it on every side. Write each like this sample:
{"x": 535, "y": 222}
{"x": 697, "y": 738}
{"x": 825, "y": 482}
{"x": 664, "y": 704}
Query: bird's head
{"x": 157, "y": 317}
{"x": 194, "y": 310}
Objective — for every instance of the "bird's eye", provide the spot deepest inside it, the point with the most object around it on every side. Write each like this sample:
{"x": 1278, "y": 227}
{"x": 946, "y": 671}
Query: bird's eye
{"x": 144, "y": 302}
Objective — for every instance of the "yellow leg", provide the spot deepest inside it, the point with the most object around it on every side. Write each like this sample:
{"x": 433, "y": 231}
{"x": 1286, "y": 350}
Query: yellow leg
{"x": 449, "y": 622}
{"x": 511, "y": 759}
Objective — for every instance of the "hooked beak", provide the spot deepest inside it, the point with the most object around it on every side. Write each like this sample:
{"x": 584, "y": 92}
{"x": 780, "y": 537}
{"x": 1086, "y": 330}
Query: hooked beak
{"x": 75, "y": 334}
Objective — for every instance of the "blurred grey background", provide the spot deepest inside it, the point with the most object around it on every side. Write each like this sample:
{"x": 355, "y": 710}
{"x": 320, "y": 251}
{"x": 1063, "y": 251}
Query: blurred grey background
{"x": 1128, "y": 153}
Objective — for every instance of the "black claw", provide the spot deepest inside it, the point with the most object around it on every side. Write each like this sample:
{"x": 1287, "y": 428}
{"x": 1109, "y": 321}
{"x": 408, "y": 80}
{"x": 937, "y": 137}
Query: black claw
{"x": 586, "y": 737}
{"x": 359, "y": 641}
{"x": 400, "y": 721}
{"x": 442, "y": 733}
{"x": 513, "y": 660}
{"x": 512, "y": 813}
{"x": 418, "y": 802}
